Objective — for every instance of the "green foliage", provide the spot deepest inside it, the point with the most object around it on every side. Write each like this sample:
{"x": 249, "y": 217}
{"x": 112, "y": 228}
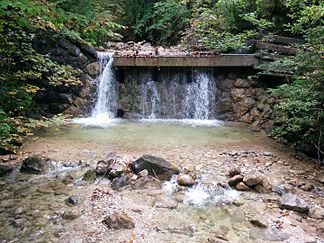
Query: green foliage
{"x": 299, "y": 112}
{"x": 169, "y": 19}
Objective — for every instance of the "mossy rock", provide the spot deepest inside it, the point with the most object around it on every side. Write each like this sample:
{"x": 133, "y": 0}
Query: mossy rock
{"x": 89, "y": 176}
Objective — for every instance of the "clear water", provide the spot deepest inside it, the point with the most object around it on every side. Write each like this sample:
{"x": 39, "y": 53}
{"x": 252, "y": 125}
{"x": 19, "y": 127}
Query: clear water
{"x": 154, "y": 133}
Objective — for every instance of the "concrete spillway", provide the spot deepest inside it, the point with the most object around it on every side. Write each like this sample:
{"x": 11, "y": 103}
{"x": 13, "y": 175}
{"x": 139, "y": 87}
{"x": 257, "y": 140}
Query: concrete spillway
{"x": 223, "y": 60}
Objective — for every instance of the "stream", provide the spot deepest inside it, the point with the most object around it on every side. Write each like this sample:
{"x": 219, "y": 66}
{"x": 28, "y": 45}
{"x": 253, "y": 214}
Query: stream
{"x": 36, "y": 208}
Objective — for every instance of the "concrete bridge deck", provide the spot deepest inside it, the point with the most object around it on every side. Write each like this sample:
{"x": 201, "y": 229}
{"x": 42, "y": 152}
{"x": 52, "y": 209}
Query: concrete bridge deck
{"x": 223, "y": 60}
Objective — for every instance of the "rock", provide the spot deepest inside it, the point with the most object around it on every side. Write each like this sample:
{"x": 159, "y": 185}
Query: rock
{"x": 116, "y": 169}
{"x": 143, "y": 173}
{"x": 72, "y": 201}
{"x": 36, "y": 164}
{"x": 19, "y": 211}
{"x": 93, "y": 69}
{"x": 242, "y": 187}
{"x": 259, "y": 221}
{"x": 89, "y": 176}
{"x": 71, "y": 48}
{"x": 269, "y": 154}
{"x": 5, "y": 169}
{"x": 111, "y": 166}
{"x": 71, "y": 214}
{"x": 119, "y": 182}
{"x": 119, "y": 221}
{"x": 102, "y": 167}
{"x": 234, "y": 171}
{"x": 292, "y": 202}
{"x": 155, "y": 166}
{"x": 241, "y": 83}
{"x": 253, "y": 178}
{"x": 187, "y": 169}
{"x": 235, "y": 180}
{"x": 238, "y": 203}
{"x": 237, "y": 94}
{"x": 185, "y": 180}
{"x": 148, "y": 182}
{"x": 82, "y": 60}
{"x": 306, "y": 186}
{"x": 316, "y": 213}
{"x": 263, "y": 187}
{"x": 226, "y": 84}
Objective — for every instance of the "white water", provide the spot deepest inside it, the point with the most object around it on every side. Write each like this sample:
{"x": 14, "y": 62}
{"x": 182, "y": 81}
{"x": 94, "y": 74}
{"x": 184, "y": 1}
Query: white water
{"x": 199, "y": 96}
{"x": 105, "y": 108}
{"x": 106, "y": 104}
{"x": 175, "y": 97}
{"x": 200, "y": 195}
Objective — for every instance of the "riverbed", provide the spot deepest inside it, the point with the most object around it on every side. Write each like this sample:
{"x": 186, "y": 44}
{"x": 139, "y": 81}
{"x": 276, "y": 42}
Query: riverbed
{"x": 33, "y": 207}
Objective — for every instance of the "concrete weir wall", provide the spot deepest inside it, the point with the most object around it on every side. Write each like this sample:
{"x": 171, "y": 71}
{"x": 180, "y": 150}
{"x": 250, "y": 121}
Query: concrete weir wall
{"x": 223, "y": 60}
{"x": 236, "y": 94}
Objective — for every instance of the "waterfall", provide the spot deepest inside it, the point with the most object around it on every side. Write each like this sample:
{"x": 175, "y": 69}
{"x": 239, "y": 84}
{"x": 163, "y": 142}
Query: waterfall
{"x": 175, "y": 96}
{"x": 106, "y": 102}
{"x": 105, "y": 108}
{"x": 149, "y": 98}
{"x": 169, "y": 93}
{"x": 199, "y": 97}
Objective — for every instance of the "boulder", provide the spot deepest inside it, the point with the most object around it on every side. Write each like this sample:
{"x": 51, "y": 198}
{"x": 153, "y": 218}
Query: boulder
{"x": 155, "y": 166}
{"x": 292, "y": 202}
{"x": 253, "y": 178}
{"x": 36, "y": 164}
{"x": 185, "y": 180}
{"x": 235, "y": 180}
{"x": 119, "y": 221}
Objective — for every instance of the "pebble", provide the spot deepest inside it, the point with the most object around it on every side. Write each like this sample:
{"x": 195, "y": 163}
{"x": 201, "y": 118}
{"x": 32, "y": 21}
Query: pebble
{"x": 185, "y": 180}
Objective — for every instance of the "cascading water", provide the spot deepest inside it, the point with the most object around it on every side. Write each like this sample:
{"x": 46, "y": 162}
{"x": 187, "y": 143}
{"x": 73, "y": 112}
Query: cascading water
{"x": 199, "y": 97}
{"x": 173, "y": 97}
{"x": 172, "y": 94}
{"x": 105, "y": 108}
{"x": 149, "y": 95}
{"x": 106, "y": 103}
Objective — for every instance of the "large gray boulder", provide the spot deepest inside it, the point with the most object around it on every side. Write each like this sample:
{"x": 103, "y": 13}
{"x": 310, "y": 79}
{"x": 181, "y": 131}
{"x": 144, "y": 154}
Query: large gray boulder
{"x": 155, "y": 166}
{"x": 292, "y": 202}
{"x": 36, "y": 164}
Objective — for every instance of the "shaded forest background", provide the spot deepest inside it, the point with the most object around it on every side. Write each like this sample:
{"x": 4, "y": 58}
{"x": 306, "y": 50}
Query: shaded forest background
{"x": 217, "y": 25}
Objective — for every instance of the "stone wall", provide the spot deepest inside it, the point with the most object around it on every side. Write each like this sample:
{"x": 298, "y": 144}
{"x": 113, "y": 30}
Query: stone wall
{"x": 236, "y": 95}
{"x": 75, "y": 100}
